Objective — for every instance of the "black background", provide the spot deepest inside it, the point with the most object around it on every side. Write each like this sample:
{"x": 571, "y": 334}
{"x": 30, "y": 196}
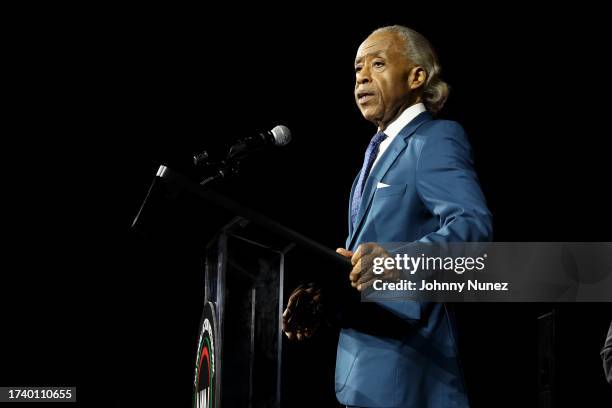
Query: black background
{"x": 98, "y": 98}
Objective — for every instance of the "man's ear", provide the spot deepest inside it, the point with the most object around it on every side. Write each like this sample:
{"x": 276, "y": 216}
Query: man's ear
{"x": 417, "y": 77}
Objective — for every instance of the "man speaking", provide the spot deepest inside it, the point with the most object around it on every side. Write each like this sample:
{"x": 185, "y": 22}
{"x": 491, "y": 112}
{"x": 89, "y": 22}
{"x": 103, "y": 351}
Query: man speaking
{"x": 417, "y": 184}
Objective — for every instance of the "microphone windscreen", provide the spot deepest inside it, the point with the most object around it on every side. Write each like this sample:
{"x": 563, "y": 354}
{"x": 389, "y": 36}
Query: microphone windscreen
{"x": 282, "y": 135}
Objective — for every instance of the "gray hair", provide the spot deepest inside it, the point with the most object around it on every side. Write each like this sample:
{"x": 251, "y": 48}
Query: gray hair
{"x": 420, "y": 52}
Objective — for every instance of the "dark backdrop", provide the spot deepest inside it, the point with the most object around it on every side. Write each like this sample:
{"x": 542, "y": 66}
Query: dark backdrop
{"x": 102, "y": 96}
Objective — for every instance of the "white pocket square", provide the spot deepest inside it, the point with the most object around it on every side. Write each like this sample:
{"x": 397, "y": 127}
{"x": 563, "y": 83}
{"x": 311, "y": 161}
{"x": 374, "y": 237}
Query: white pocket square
{"x": 381, "y": 185}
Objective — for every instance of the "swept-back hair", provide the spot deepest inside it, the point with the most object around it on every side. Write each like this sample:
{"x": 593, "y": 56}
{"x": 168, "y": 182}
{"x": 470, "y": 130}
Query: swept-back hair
{"x": 420, "y": 52}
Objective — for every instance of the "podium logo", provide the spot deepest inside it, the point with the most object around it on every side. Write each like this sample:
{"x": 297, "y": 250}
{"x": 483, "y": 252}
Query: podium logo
{"x": 204, "y": 378}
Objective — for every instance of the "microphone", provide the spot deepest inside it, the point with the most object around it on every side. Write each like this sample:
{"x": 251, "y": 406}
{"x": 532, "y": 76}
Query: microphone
{"x": 279, "y": 136}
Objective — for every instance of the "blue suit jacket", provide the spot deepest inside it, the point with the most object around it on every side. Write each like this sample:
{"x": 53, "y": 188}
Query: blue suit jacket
{"x": 433, "y": 196}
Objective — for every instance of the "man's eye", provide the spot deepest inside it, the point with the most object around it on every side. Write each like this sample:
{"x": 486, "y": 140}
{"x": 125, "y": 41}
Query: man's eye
{"x": 379, "y": 64}
{"x": 357, "y": 69}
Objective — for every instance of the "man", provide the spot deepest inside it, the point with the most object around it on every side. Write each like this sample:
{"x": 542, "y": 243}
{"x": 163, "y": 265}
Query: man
{"x": 417, "y": 184}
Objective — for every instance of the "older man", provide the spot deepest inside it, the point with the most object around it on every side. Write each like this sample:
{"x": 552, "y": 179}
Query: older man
{"x": 417, "y": 184}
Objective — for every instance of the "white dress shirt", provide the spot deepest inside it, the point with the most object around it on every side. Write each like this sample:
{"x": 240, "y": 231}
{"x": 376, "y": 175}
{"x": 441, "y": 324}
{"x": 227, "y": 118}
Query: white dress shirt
{"x": 396, "y": 126}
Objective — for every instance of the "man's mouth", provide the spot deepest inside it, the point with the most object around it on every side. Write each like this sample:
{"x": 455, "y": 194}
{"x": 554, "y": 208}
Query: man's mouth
{"x": 363, "y": 97}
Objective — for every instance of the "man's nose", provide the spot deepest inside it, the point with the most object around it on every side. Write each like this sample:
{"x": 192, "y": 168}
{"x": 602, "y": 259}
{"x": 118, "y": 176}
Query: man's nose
{"x": 363, "y": 76}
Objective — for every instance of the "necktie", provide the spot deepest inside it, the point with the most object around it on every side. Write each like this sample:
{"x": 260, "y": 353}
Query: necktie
{"x": 370, "y": 156}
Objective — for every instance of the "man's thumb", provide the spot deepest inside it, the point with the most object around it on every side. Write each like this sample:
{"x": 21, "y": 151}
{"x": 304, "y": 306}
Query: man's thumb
{"x": 344, "y": 252}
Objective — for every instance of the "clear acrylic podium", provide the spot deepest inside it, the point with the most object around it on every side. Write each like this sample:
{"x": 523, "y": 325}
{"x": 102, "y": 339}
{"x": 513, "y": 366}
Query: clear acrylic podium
{"x": 240, "y": 361}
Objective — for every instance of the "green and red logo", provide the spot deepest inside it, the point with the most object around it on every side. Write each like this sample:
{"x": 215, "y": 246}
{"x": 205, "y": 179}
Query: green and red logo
{"x": 204, "y": 395}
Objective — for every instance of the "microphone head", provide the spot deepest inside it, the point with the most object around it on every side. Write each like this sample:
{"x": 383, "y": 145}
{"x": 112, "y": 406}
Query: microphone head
{"x": 281, "y": 134}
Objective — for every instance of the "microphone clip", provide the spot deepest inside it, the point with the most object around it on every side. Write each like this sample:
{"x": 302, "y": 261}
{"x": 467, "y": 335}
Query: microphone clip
{"x": 223, "y": 169}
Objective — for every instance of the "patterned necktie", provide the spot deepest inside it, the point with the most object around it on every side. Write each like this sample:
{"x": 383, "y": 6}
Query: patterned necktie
{"x": 370, "y": 156}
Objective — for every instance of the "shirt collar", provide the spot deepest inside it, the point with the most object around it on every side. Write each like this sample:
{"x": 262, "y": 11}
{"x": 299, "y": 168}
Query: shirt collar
{"x": 403, "y": 119}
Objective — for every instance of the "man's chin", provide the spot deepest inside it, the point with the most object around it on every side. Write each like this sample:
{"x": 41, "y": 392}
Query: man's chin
{"x": 370, "y": 115}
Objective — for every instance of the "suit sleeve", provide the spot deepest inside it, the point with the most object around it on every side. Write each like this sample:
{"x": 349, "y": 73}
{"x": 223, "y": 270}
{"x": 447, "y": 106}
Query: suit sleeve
{"x": 448, "y": 186}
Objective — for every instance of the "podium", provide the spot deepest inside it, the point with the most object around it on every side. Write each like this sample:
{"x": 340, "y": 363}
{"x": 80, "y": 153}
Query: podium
{"x": 251, "y": 263}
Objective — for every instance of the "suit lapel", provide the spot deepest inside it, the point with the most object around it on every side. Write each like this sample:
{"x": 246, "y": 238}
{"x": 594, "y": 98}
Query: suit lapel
{"x": 350, "y": 224}
{"x": 380, "y": 169}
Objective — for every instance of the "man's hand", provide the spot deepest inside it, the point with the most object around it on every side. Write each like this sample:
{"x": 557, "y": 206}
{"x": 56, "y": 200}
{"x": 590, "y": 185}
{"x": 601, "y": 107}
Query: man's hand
{"x": 362, "y": 276}
{"x": 304, "y": 312}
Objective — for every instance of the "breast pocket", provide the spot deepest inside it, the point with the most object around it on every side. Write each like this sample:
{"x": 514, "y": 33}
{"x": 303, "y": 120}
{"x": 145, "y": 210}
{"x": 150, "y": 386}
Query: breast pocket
{"x": 390, "y": 191}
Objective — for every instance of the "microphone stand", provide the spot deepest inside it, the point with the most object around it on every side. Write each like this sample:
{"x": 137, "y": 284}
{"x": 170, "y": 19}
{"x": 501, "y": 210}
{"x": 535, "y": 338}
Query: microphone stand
{"x": 222, "y": 169}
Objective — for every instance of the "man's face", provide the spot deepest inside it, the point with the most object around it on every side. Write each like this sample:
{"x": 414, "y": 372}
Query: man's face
{"x": 382, "y": 75}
